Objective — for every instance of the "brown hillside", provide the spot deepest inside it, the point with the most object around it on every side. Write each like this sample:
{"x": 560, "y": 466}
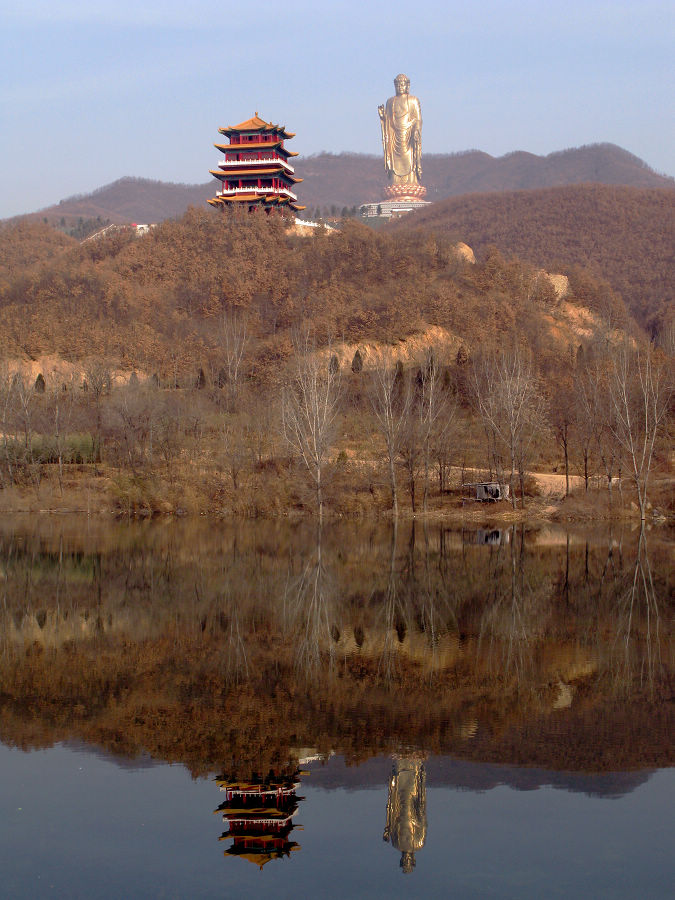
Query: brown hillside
{"x": 27, "y": 244}
{"x": 152, "y": 302}
{"x": 624, "y": 234}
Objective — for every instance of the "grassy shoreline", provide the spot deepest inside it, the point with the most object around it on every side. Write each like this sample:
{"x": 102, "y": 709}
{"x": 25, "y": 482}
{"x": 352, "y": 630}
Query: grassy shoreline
{"x": 101, "y": 491}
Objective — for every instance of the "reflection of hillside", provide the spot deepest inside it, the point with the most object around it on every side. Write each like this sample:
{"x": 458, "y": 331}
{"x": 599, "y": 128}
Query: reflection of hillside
{"x": 520, "y": 652}
{"x": 446, "y": 771}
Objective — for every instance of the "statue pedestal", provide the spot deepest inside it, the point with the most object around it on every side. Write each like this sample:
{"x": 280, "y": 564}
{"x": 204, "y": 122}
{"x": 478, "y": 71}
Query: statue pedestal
{"x": 391, "y": 209}
{"x": 401, "y": 199}
{"x": 405, "y": 192}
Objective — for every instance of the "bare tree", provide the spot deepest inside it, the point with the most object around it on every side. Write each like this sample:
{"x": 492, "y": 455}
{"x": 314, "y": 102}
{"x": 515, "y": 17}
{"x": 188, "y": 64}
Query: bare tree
{"x": 97, "y": 382}
{"x": 138, "y": 409}
{"x": 666, "y": 338}
{"x": 6, "y": 400}
{"x": 508, "y": 399}
{"x": 437, "y": 412}
{"x": 605, "y": 441}
{"x": 390, "y": 401}
{"x": 168, "y": 432}
{"x": 25, "y": 412}
{"x": 640, "y": 392}
{"x": 428, "y": 417}
{"x": 563, "y": 415}
{"x": 310, "y": 405}
{"x": 255, "y": 422}
{"x": 236, "y": 447}
{"x": 594, "y": 415}
{"x": 587, "y": 413}
{"x": 411, "y": 445}
{"x": 59, "y": 409}
{"x": 233, "y": 340}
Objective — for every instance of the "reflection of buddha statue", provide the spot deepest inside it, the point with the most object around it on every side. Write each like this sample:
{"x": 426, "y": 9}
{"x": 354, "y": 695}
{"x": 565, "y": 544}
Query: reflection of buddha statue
{"x": 401, "y": 121}
{"x": 406, "y": 825}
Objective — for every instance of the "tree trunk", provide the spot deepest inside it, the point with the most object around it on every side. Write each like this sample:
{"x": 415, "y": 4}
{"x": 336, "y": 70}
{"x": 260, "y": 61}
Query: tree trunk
{"x": 392, "y": 485}
{"x": 319, "y": 499}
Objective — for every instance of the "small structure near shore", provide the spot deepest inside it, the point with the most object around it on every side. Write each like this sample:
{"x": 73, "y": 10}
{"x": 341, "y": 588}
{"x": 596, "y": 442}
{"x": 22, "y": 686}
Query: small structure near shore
{"x": 487, "y": 537}
{"x": 487, "y": 491}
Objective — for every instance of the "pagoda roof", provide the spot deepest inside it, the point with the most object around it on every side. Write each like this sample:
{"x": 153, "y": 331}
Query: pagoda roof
{"x": 252, "y": 787}
{"x": 262, "y": 145}
{"x": 276, "y": 838}
{"x": 269, "y": 195}
{"x": 251, "y": 197}
{"x": 255, "y": 123}
{"x": 253, "y": 813}
{"x": 268, "y": 170}
{"x": 257, "y": 197}
{"x": 262, "y": 857}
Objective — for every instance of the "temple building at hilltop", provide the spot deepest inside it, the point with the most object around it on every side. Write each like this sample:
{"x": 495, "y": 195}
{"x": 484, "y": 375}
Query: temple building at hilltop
{"x": 255, "y": 170}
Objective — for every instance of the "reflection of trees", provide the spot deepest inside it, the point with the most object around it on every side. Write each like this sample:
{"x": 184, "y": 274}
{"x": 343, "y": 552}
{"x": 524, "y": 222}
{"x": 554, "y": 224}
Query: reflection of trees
{"x": 309, "y": 612}
{"x": 509, "y": 624}
{"x": 615, "y": 593}
{"x": 236, "y": 660}
{"x": 416, "y": 613}
{"x": 392, "y": 614}
{"x": 636, "y": 652}
{"x": 436, "y": 613}
{"x": 432, "y": 631}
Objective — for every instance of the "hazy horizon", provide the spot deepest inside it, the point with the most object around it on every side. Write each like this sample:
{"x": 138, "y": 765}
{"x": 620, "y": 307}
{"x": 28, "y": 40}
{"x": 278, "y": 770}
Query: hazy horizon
{"x": 92, "y": 94}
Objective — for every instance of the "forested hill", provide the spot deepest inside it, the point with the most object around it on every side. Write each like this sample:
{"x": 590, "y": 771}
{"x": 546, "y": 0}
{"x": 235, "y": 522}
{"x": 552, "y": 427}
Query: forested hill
{"x": 154, "y": 302}
{"x": 332, "y": 182}
{"x": 625, "y": 235}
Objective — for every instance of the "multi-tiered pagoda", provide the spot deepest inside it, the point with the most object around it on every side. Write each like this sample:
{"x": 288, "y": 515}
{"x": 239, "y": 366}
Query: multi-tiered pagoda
{"x": 255, "y": 170}
{"x": 259, "y": 815}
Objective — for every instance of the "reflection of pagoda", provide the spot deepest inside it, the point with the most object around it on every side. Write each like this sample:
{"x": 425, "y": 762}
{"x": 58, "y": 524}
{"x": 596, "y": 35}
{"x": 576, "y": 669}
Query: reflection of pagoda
{"x": 259, "y": 815}
{"x": 255, "y": 170}
{"x": 406, "y": 825}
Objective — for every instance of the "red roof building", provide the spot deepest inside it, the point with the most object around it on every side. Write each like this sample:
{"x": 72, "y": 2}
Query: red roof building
{"x": 259, "y": 816}
{"x": 255, "y": 170}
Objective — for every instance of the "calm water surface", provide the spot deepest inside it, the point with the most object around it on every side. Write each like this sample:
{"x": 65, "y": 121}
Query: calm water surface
{"x": 369, "y": 712}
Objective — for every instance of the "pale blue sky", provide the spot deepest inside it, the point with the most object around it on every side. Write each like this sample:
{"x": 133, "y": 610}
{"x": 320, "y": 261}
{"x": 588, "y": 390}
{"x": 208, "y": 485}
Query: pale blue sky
{"x": 93, "y": 91}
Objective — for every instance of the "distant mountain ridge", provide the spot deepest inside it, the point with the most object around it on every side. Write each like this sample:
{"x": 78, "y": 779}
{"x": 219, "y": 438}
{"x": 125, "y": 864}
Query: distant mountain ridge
{"x": 349, "y": 179}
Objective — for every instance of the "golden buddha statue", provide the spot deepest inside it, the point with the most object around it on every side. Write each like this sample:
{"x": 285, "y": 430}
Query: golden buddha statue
{"x": 406, "y": 825}
{"x": 401, "y": 122}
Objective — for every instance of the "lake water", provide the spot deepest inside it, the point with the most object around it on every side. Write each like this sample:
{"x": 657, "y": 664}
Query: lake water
{"x": 194, "y": 710}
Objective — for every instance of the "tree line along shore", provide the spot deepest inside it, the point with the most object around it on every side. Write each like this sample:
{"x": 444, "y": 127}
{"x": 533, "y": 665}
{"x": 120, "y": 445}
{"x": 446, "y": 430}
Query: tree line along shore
{"x": 225, "y": 365}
